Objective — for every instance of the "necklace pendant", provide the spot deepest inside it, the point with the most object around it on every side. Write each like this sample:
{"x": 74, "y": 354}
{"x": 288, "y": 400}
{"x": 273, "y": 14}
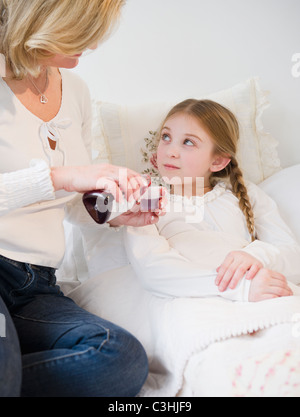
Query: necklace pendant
{"x": 43, "y": 99}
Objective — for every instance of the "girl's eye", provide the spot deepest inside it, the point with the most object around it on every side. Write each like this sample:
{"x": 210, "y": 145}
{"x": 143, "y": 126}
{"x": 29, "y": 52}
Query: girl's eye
{"x": 188, "y": 142}
{"x": 166, "y": 137}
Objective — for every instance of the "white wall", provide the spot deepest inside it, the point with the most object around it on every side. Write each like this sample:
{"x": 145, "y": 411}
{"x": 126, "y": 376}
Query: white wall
{"x": 169, "y": 49}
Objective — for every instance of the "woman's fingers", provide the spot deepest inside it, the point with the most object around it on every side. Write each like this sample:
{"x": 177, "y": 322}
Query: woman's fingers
{"x": 110, "y": 186}
{"x": 127, "y": 183}
{"x": 122, "y": 183}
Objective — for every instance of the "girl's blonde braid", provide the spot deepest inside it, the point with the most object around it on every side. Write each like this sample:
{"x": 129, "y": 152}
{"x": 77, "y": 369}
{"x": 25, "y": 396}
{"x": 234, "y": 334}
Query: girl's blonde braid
{"x": 240, "y": 191}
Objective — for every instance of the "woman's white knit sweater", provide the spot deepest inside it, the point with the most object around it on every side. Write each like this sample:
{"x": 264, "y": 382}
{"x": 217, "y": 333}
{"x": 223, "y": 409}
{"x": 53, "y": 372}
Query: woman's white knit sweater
{"x": 31, "y": 213}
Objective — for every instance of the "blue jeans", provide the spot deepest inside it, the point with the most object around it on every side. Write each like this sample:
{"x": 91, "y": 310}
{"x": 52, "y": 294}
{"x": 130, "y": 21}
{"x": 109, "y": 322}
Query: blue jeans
{"x": 66, "y": 351}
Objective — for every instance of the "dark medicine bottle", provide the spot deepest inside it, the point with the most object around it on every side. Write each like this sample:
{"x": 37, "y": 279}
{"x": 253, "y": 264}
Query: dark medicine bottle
{"x": 102, "y": 206}
{"x": 99, "y": 205}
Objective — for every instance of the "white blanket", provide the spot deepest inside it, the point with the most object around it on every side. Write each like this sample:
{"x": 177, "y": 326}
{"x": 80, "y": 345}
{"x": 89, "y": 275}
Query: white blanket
{"x": 175, "y": 331}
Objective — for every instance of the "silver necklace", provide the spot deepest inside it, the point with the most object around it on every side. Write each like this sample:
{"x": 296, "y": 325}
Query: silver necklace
{"x": 43, "y": 98}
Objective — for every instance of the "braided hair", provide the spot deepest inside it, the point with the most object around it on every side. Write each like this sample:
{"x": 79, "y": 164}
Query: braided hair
{"x": 240, "y": 191}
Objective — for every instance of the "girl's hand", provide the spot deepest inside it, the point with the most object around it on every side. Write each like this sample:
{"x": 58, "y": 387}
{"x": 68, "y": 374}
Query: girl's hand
{"x": 138, "y": 218}
{"x": 135, "y": 219}
{"x": 234, "y": 268}
{"x": 267, "y": 285}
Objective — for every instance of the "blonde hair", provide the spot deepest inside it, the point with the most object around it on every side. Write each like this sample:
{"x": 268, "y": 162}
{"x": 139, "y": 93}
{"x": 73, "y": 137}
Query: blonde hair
{"x": 224, "y": 130}
{"x": 32, "y": 30}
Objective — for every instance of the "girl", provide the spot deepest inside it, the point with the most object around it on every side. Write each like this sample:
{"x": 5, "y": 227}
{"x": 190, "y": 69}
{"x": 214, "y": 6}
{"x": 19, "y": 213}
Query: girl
{"x": 45, "y": 159}
{"x": 235, "y": 244}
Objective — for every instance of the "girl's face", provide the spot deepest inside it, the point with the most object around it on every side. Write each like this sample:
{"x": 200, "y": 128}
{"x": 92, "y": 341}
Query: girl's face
{"x": 185, "y": 151}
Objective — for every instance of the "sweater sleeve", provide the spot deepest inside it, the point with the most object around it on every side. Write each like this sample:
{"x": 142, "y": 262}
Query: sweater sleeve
{"x": 276, "y": 247}
{"x": 25, "y": 187}
{"x": 165, "y": 272}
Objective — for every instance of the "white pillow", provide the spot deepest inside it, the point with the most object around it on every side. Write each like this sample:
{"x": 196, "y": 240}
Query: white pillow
{"x": 120, "y": 131}
{"x": 284, "y": 189}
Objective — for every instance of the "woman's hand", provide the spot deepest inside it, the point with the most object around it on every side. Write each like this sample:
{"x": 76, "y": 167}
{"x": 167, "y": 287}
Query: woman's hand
{"x": 113, "y": 179}
{"x": 234, "y": 268}
{"x": 267, "y": 285}
{"x": 116, "y": 180}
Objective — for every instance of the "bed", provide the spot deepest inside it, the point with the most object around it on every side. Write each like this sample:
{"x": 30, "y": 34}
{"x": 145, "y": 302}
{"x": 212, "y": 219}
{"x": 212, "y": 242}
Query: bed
{"x": 196, "y": 347}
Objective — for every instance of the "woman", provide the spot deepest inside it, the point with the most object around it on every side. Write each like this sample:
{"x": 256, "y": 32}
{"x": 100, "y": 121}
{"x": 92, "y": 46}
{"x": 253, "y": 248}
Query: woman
{"x": 45, "y": 141}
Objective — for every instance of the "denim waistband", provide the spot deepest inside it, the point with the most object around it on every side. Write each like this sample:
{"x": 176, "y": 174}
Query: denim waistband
{"x": 24, "y": 266}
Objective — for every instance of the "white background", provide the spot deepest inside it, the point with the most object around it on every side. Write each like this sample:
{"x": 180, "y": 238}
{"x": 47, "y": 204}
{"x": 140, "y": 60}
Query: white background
{"x": 169, "y": 49}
